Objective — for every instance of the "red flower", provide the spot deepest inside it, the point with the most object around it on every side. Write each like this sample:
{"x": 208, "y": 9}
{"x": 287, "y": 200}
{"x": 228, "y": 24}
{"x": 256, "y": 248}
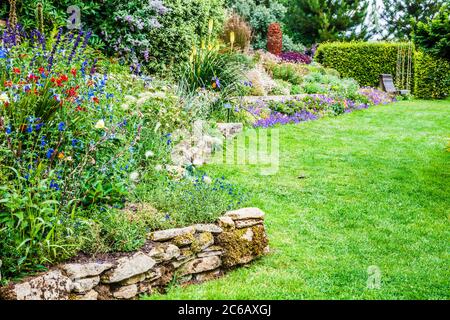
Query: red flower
{"x": 8, "y": 83}
{"x": 16, "y": 70}
{"x": 74, "y": 72}
{"x": 95, "y": 99}
{"x": 41, "y": 70}
{"x": 32, "y": 77}
{"x": 72, "y": 92}
{"x": 64, "y": 77}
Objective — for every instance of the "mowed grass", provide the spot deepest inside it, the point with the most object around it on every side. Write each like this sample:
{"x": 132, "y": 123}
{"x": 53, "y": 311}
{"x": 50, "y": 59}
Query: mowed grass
{"x": 376, "y": 193}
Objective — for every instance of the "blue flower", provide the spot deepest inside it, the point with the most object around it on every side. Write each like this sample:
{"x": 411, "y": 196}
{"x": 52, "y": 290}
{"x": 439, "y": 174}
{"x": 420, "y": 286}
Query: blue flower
{"x": 8, "y": 130}
{"x": 50, "y": 153}
{"x": 54, "y": 185}
{"x": 2, "y": 54}
{"x": 39, "y": 126}
{"x": 43, "y": 143}
{"x": 227, "y": 106}
{"x": 30, "y": 128}
{"x": 74, "y": 142}
{"x": 61, "y": 126}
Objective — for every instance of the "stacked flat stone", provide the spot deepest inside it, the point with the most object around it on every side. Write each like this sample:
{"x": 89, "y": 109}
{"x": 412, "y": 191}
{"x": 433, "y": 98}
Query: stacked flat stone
{"x": 193, "y": 254}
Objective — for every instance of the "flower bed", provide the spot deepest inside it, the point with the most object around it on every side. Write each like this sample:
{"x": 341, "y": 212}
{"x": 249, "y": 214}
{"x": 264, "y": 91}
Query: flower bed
{"x": 269, "y": 113}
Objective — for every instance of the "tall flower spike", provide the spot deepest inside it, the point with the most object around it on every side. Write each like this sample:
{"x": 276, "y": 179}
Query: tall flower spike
{"x": 40, "y": 17}
{"x": 12, "y": 15}
{"x": 210, "y": 26}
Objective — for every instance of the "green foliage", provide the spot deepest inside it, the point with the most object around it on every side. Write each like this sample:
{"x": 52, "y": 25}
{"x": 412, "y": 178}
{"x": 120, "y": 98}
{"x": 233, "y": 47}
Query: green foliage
{"x": 434, "y": 35}
{"x": 312, "y": 22}
{"x": 432, "y": 77}
{"x": 399, "y": 17}
{"x": 291, "y": 72}
{"x": 119, "y": 26}
{"x": 362, "y": 61}
{"x": 182, "y": 27}
{"x": 192, "y": 199}
{"x": 259, "y": 14}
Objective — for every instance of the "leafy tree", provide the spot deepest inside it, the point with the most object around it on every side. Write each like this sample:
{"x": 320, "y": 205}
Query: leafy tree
{"x": 312, "y": 21}
{"x": 400, "y": 16}
{"x": 434, "y": 35}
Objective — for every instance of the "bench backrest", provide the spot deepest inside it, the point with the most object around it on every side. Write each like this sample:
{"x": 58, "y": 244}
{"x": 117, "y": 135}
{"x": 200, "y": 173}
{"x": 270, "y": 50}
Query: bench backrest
{"x": 387, "y": 83}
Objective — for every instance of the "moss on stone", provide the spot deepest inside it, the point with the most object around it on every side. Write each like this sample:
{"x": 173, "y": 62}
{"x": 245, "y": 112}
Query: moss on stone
{"x": 183, "y": 240}
{"x": 201, "y": 241}
{"x": 238, "y": 249}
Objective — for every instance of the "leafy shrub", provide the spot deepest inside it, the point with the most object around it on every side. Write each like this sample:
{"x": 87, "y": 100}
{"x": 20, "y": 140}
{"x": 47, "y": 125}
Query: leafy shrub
{"x": 434, "y": 36}
{"x": 291, "y": 72}
{"x": 295, "y": 57}
{"x": 432, "y": 77}
{"x": 296, "y": 89}
{"x": 186, "y": 22}
{"x": 274, "y": 39}
{"x": 283, "y": 88}
{"x": 290, "y": 45}
{"x": 239, "y": 30}
{"x": 362, "y": 61}
{"x": 118, "y": 26}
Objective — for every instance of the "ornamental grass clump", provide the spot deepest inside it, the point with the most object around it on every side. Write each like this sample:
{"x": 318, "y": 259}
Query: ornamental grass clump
{"x": 237, "y": 33}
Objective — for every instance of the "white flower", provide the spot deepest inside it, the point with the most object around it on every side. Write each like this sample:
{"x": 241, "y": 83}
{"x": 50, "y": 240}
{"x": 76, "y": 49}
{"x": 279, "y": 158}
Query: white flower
{"x": 100, "y": 124}
{"x": 141, "y": 101}
{"x": 130, "y": 99}
{"x": 207, "y": 180}
{"x": 158, "y": 167}
{"x": 125, "y": 107}
{"x": 149, "y": 154}
{"x": 134, "y": 176}
{"x": 4, "y": 98}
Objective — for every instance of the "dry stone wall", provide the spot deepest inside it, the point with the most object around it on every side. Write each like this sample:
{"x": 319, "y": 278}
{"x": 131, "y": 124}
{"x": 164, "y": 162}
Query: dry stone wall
{"x": 193, "y": 254}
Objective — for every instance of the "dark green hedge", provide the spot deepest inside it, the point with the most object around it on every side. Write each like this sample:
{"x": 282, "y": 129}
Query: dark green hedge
{"x": 432, "y": 80}
{"x": 363, "y": 61}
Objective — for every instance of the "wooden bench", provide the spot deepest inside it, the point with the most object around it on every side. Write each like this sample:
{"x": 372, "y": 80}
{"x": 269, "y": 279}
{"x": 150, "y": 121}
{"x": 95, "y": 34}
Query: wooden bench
{"x": 387, "y": 84}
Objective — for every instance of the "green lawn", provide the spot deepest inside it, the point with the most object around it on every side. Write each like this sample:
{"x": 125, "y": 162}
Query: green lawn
{"x": 377, "y": 192}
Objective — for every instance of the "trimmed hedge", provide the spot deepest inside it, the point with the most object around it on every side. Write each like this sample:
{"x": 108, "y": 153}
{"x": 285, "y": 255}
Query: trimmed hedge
{"x": 432, "y": 80}
{"x": 362, "y": 61}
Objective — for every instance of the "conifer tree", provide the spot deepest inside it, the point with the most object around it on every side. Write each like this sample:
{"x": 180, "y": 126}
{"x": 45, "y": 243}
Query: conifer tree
{"x": 312, "y": 21}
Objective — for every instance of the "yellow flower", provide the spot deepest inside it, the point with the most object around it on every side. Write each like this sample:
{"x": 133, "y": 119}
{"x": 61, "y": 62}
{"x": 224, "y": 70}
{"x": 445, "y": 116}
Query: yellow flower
{"x": 100, "y": 124}
{"x": 210, "y": 26}
{"x": 232, "y": 37}
{"x": 61, "y": 155}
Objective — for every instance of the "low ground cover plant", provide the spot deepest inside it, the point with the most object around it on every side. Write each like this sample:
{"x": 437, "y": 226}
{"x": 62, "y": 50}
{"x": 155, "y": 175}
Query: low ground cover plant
{"x": 312, "y": 107}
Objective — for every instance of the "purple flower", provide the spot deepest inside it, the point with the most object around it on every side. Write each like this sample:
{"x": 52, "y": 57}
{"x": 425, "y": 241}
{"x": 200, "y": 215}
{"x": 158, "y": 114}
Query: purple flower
{"x": 216, "y": 82}
{"x": 296, "y": 57}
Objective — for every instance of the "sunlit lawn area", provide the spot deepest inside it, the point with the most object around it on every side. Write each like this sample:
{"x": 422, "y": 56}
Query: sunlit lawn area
{"x": 376, "y": 192}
